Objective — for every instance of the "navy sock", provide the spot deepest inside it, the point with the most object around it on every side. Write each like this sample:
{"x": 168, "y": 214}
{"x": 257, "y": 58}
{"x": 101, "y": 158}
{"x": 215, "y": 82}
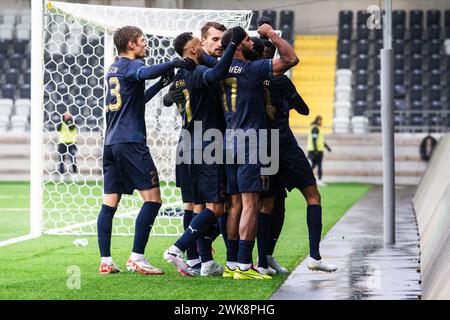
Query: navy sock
{"x": 276, "y": 224}
{"x": 199, "y": 225}
{"x": 191, "y": 251}
{"x": 204, "y": 245}
{"x": 263, "y": 238}
{"x": 104, "y": 229}
{"x": 245, "y": 251}
{"x": 222, "y": 223}
{"x": 314, "y": 221}
{"x": 232, "y": 250}
{"x": 143, "y": 225}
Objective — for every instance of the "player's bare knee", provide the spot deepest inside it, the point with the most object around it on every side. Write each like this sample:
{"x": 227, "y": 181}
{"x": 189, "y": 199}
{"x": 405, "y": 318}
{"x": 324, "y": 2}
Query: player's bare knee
{"x": 111, "y": 200}
{"x": 216, "y": 208}
{"x": 189, "y": 206}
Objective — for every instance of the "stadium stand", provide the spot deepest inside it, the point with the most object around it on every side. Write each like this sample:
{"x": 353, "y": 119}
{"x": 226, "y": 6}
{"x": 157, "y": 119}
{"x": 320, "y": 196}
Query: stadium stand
{"x": 422, "y": 87}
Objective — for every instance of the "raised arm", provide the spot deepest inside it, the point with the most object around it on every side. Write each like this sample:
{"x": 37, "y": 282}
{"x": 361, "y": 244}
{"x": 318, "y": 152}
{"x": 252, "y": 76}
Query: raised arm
{"x": 288, "y": 57}
{"x": 165, "y": 80}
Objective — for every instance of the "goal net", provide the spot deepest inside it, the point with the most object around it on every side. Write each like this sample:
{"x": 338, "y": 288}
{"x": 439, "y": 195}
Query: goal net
{"x": 78, "y": 48}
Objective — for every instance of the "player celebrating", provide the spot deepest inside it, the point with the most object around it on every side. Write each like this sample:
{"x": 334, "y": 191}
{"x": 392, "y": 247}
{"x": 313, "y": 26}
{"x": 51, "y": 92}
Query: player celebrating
{"x": 206, "y": 180}
{"x": 243, "y": 104}
{"x": 127, "y": 163}
{"x": 295, "y": 169}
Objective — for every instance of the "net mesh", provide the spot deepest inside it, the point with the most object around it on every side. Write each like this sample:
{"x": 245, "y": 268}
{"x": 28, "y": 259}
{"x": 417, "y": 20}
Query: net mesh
{"x": 77, "y": 50}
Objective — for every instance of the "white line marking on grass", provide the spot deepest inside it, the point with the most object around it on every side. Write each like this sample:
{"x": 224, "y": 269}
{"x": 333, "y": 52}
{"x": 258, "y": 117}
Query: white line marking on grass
{"x": 17, "y": 239}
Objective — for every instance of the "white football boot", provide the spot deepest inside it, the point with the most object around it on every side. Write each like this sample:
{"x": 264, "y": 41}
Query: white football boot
{"x": 211, "y": 268}
{"x": 320, "y": 265}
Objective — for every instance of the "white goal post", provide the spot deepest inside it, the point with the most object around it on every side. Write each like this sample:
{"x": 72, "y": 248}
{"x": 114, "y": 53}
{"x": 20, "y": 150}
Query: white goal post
{"x": 71, "y": 48}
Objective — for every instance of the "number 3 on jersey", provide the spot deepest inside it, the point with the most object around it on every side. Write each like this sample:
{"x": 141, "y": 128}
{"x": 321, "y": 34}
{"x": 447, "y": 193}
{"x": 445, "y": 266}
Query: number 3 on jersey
{"x": 114, "y": 91}
{"x": 232, "y": 84}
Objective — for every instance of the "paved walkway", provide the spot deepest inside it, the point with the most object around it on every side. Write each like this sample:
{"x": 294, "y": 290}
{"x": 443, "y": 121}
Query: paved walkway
{"x": 367, "y": 269}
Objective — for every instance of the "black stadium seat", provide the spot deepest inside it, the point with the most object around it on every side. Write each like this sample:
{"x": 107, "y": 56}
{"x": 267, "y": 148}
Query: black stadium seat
{"x": 361, "y": 93}
{"x": 399, "y": 77}
{"x": 377, "y": 46}
{"x": 359, "y": 107}
{"x": 434, "y": 32}
{"x": 433, "y": 17}
{"x": 272, "y": 14}
{"x": 344, "y": 46}
{"x": 434, "y": 47}
{"x": 434, "y": 62}
{"x": 415, "y": 18}
{"x": 416, "y": 77}
{"x": 287, "y": 33}
{"x": 416, "y": 62}
{"x": 2, "y": 61}
{"x": 434, "y": 93}
{"x": 399, "y": 62}
{"x": 8, "y": 91}
{"x": 363, "y": 32}
{"x": 362, "y": 47}
{"x": 416, "y": 32}
{"x": 345, "y": 32}
{"x": 399, "y": 46}
{"x": 345, "y": 17}
{"x": 255, "y": 17}
{"x": 344, "y": 61}
{"x": 362, "y": 62}
{"x": 16, "y": 61}
{"x": 12, "y": 76}
{"x": 362, "y": 77}
{"x": 416, "y": 47}
{"x": 287, "y": 17}
{"x": 4, "y": 46}
{"x": 416, "y": 93}
{"x": 434, "y": 78}
{"x": 361, "y": 17}
{"x": 25, "y": 91}
{"x": 398, "y": 17}
{"x": 398, "y": 32}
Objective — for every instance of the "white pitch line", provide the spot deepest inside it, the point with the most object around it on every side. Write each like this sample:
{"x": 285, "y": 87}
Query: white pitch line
{"x": 17, "y": 239}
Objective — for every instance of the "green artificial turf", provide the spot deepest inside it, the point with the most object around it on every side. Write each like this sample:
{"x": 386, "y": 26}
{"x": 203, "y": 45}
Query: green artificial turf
{"x": 47, "y": 267}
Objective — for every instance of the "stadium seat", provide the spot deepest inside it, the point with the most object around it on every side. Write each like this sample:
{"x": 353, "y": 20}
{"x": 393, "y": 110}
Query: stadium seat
{"x": 434, "y": 93}
{"x": 400, "y": 104}
{"x": 434, "y": 32}
{"x": 19, "y": 123}
{"x": 287, "y": 34}
{"x": 399, "y": 77}
{"x": 362, "y": 77}
{"x": 345, "y": 17}
{"x": 399, "y": 46}
{"x": 416, "y": 32}
{"x": 434, "y": 62}
{"x": 377, "y": 46}
{"x": 361, "y": 17}
{"x": 16, "y": 61}
{"x": 376, "y": 78}
{"x": 20, "y": 46}
{"x": 362, "y": 47}
{"x": 436, "y": 105}
{"x": 361, "y": 93}
{"x": 399, "y": 62}
{"x": 447, "y": 32}
{"x": 345, "y": 32}
{"x": 6, "y": 32}
{"x": 12, "y": 76}
{"x": 416, "y": 47}
{"x": 4, "y": 123}
{"x": 398, "y": 32}
{"x": 398, "y": 18}
{"x": 433, "y": 18}
{"x": 376, "y": 62}
{"x": 416, "y": 93}
{"x": 399, "y": 91}
{"x": 363, "y": 32}
{"x": 287, "y": 17}
{"x": 272, "y": 14}
{"x": 416, "y": 62}
{"x": 255, "y": 17}
{"x": 4, "y": 46}
{"x": 6, "y": 106}
{"x": 24, "y": 16}
{"x": 434, "y": 47}
{"x": 434, "y": 78}
{"x": 25, "y": 91}
{"x": 376, "y": 94}
{"x": 415, "y": 18}
{"x": 8, "y": 91}
{"x": 359, "y": 107}
{"x": 344, "y": 46}
{"x": 2, "y": 61}
{"x": 22, "y": 106}
{"x": 23, "y": 32}
{"x": 27, "y": 76}
{"x": 344, "y": 61}
{"x": 378, "y": 34}
{"x": 9, "y": 16}
{"x": 362, "y": 62}
{"x": 416, "y": 77}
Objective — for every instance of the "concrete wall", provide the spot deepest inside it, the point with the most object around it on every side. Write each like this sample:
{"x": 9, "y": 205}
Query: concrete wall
{"x": 432, "y": 208}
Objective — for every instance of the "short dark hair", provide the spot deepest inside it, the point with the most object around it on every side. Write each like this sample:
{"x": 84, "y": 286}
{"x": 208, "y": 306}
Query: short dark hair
{"x": 180, "y": 41}
{"x": 212, "y": 24}
{"x": 258, "y": 47}
{"x": 269, "y": 44}
{"x": 125, "y": 34}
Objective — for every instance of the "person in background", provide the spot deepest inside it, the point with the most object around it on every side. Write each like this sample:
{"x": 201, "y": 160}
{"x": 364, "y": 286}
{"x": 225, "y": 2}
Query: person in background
{"x": 67, "y": 136}
{"x": 316, "y": 145}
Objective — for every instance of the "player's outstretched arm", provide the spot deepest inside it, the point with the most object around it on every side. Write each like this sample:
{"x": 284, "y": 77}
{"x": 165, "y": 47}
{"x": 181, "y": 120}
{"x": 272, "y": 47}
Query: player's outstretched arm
{"x": 164, "y": 81}
{"x": 157, "y": 70}
{"x": 288, "y": 57}
{"x": 293, "y": 98}
{"x": 220, "y": 70}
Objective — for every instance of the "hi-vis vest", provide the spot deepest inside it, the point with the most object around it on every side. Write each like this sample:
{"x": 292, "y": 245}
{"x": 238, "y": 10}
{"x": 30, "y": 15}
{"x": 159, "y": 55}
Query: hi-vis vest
{"x": 67, "y": 136}
{"x": 319, "y": 141}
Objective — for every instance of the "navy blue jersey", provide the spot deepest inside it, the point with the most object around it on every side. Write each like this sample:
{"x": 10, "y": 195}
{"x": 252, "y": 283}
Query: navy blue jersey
{"x": 243, "y": 94}
{"x": 277, "y": 108}
{"x": 125, "y": 105}
{"x": 202, "y": 102}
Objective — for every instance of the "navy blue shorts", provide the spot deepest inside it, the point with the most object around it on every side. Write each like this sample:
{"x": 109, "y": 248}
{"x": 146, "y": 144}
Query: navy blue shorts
{"x": 128, "y": 167}
{"x": 276, "y": 187}
{"x": 295, "y": 169}
{"x": 208, "y": 183}
{"x": 183, "y": 181}
{"x": 245, "y": 178}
